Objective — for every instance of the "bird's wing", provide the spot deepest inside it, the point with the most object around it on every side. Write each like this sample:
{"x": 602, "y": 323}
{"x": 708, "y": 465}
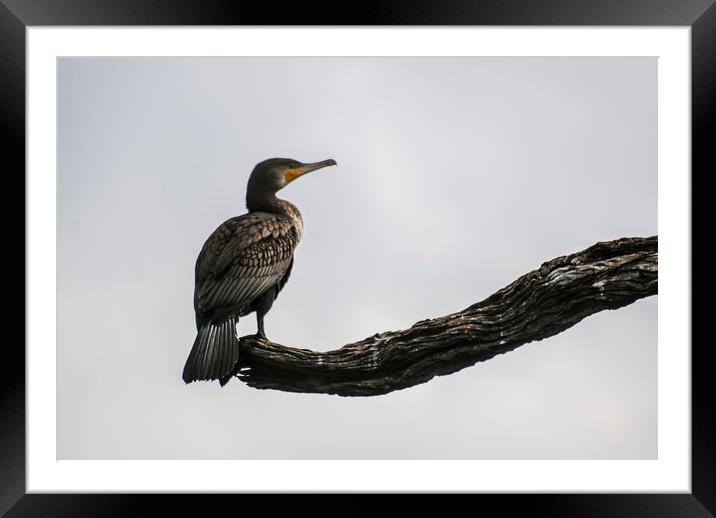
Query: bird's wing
{"x": 242, "y": 258}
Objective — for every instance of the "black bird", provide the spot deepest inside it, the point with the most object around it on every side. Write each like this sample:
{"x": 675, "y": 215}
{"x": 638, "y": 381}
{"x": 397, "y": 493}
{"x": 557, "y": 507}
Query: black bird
{"x": 242, "y": 267}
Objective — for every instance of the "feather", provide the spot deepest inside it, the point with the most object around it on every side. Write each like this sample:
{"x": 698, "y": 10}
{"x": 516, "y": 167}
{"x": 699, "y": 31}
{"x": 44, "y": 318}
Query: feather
{"x": 243, "y": 258}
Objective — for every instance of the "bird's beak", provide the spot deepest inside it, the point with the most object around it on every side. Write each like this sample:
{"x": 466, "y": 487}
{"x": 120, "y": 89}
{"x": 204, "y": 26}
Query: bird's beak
{"x": 293, "y": 173}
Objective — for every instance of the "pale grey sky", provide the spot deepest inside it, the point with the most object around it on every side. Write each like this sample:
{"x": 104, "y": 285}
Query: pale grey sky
{"x": 454, "y": 177}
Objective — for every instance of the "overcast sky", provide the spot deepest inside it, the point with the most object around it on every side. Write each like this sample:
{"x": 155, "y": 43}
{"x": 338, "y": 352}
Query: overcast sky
{"x": 455, "y": 176}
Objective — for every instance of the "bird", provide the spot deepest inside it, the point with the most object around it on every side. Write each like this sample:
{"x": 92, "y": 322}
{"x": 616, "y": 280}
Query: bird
{"x": 242, "y": 267}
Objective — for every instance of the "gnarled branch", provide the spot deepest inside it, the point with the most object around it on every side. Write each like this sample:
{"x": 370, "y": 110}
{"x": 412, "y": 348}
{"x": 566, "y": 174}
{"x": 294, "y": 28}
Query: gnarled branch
{"x": 542, "y": 303}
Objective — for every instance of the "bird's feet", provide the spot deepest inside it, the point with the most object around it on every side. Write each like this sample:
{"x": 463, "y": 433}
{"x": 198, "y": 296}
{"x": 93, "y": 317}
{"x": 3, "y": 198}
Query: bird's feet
{"x": 260, "y": 328}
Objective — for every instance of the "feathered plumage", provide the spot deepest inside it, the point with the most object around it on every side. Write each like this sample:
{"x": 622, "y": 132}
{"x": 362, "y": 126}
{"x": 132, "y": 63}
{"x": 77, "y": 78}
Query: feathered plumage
{"x": 242, "y": 267}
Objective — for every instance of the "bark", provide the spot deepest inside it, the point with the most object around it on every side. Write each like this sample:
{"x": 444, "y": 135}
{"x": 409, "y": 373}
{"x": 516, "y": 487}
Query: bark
{"x": 540, "y": 304}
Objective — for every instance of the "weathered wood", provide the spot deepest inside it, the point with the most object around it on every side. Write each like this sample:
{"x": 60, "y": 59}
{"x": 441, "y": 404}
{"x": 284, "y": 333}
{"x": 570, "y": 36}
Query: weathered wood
{"x": 542, "y": 303}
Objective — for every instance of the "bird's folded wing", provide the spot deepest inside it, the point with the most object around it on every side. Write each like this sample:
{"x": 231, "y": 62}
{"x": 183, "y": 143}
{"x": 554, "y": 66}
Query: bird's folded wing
{"x": 242, "y": 258}
{"x": 239, "y": 285}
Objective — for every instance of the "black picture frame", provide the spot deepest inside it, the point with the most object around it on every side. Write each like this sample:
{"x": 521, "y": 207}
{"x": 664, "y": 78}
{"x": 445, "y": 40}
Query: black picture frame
{"x": 17, "y": 15}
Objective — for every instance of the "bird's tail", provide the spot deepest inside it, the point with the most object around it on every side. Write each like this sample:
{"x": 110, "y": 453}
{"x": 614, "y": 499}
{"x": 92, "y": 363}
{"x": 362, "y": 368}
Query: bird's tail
{"x": 214, "y": 354}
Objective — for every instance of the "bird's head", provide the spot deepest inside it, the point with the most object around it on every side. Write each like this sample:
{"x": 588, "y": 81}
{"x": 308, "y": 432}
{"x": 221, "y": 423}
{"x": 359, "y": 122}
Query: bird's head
{"x": 272, "y": 175}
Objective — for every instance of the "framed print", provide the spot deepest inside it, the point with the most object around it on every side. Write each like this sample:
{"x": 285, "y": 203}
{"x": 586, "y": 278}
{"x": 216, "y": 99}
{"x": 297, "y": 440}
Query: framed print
{"x": 469, "y": 163}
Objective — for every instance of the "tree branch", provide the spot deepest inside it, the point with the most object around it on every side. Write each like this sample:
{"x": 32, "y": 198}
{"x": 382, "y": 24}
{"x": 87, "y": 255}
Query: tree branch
{"x": 542, "y": 303}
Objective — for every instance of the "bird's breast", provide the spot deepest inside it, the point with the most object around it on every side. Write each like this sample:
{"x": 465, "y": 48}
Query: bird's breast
{"x": 294, "y": 216}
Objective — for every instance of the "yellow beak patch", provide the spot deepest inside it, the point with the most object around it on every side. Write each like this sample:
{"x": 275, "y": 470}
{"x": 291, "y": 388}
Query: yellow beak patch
{"x": 291, "y": 174}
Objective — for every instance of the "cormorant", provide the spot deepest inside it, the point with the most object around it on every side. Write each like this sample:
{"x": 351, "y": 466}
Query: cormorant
{"x": 242, "y": 267}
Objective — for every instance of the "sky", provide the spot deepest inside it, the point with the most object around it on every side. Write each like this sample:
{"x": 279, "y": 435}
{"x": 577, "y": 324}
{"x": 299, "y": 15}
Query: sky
{"x": 455, "y": 176}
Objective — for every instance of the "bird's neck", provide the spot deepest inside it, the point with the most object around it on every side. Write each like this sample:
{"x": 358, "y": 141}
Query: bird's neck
{"x": 270, "y": 203}
{"x": 264, "y": 203}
